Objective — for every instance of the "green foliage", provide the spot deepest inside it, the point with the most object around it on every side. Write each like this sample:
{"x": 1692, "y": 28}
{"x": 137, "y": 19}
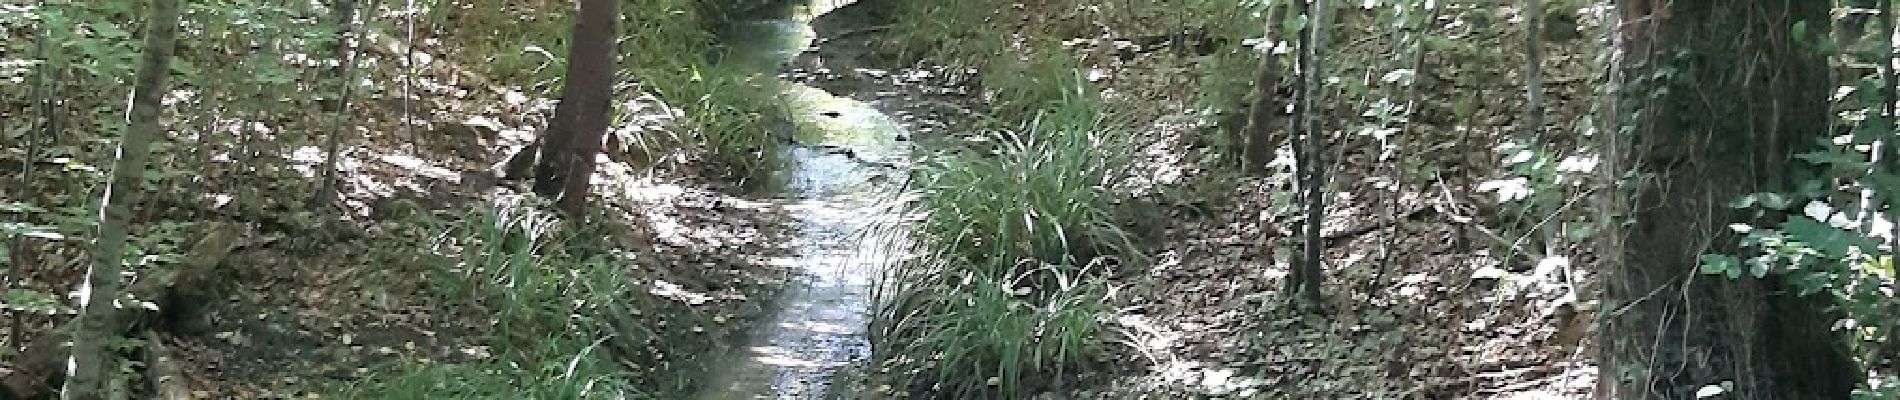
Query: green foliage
{"x": 1013, "y": 243}
{"x": 1043, "y": 197}
{"x": 515, "y": 42}
{"x": 667, "y": 46}
{"x": 576, "y": 371}
{"x": 29, "y": 301}
{"x": 1002, "y": 333}
{"x": 1046, "y": 77}
{"x": 555, "y": 300}
{"x": 953, "y": 31}
{"x": 728, "y": 106}
{"x": 729, "y": 114}
{"x": 1817, "y": 255}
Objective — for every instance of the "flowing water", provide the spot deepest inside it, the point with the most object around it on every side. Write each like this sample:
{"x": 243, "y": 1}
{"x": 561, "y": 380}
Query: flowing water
{"x": 837, "y": 179}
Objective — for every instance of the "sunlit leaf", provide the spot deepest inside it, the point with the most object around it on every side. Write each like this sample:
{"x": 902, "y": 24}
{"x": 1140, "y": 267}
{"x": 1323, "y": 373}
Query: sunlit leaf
{"x": 1720, "y": 264}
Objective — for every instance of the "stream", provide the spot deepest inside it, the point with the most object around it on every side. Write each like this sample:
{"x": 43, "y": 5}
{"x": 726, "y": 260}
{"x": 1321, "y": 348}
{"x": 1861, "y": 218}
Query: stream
{"x": 845, "y": 164}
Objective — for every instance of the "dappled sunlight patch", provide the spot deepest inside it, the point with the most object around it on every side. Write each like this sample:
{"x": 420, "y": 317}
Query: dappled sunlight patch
{"x": 780, "y": 357}
{"x": 673, "y": 291}
{"x": 420, "y": 167}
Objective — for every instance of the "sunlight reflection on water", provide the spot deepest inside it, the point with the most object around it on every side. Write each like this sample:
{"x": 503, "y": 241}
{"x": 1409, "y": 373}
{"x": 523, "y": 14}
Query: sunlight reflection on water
{"x": 819, "y": 325}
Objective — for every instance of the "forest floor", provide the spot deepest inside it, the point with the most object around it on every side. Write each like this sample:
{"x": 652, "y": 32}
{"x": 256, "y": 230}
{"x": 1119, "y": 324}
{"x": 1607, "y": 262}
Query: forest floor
{"x": 313, "y": 304}
{"x": 1422, "y": 300}
{"x": 1439, "y": 312}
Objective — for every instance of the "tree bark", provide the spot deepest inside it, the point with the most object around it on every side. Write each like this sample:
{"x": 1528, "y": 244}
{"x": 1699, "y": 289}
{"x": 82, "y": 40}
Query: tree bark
{"x": 1533, "y": 68}
{"x": 22, "y": 252}
{"x": 92, "y": 360}
{"x": 1312, "y": 170}
{"x": 1266, "y": 103}
{"x": 1890, "y": 99}
{"x": 1712, "y": 100}
{"x": 580, "y": 121}
{"x": 345, "y": 13}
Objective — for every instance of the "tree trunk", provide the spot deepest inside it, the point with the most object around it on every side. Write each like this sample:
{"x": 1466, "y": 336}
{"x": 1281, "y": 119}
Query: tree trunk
{"x": 1308, "y": 124}
{"x": 573, "y": 137}
{"x": 93, "y": 361}
{"x": 1266, "y": 103}
{"x": 1533, "y": 69}
{"x": 1889, "y": 100}
{"x": 345, "y": 13}
{"x": 1745, "y": 96}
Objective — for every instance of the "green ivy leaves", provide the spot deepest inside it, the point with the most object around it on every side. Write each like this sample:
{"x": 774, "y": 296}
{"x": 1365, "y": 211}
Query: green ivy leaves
{"x": 1723, "y": 264}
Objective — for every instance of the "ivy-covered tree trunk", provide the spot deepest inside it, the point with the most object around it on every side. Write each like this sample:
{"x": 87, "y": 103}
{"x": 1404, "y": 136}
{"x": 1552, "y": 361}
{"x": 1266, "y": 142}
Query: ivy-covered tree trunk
{"x": 580, "y": 121}
{"x": 90, "y": 368}
{"x": 1714, "y": 98}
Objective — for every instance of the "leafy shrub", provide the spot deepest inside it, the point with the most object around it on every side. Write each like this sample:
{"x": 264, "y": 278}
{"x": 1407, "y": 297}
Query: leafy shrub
{"x": 951, "y": 31}
{"x": 581, "y": 372}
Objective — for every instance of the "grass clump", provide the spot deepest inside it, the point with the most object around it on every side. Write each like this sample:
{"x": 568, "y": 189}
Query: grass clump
{"x": 1042, "y": 197}
{"x": 584, "y": 374}
{"x": 727, "y": 110}
{"x": 723, "y": 103}
{"x": 565, "y": 317}
{"x": 994, "y": 338}
{"x": 1013, "y": 244}
{"x": 951, "y": 30}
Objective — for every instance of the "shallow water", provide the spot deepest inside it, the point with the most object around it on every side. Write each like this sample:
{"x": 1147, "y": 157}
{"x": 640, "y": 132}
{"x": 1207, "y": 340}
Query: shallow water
{"x": 817, "y": 330}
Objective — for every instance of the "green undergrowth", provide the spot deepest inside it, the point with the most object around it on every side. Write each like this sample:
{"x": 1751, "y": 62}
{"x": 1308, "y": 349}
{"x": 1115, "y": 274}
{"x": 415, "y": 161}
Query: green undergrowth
{"x": 1015, "y": 240}
{"x": 668, "y": 48}
{"x": 567, "y": 317}
{"x": 1013, "y": 245}
{"x": 964, "y": 33}
{"x": 727, "y": 106}
{"x": 946, "y": 31}
{"x": 676, "y": 54}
